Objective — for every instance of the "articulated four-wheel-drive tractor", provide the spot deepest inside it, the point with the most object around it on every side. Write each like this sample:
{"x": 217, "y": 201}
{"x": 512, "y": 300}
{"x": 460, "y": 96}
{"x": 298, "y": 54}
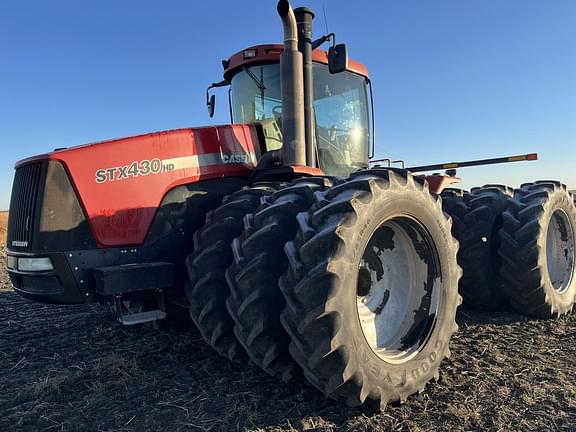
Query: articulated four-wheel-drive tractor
{"x": 282, "y": 238}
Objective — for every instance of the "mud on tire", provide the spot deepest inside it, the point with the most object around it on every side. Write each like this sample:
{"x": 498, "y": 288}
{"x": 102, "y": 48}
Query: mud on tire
{"x": 538, "y": 249}
{"x": 207, "y": 289}
{"x": 476, "y": 222}
{"x": 255, "y": 300}
{"x": 357, "y": 337}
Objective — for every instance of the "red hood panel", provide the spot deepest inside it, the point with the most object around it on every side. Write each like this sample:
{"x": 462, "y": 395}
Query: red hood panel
{"x": 120, "y": 183}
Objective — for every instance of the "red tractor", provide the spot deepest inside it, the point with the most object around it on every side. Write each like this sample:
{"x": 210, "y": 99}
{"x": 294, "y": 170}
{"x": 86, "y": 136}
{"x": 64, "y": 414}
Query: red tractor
{"x": 279, "y": 238}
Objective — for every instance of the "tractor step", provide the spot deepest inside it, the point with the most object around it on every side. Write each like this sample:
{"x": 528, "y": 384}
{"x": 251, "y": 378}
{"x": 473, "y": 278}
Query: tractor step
{"x": 132, "y": 312}
{"x": 142, "y": 317}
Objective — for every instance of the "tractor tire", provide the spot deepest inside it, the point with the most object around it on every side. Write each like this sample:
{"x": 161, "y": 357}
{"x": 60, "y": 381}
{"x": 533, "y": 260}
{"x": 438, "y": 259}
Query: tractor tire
{"x": 255, "y": 301}
{"x": 372, "y": 288}
{"x": 207, "y": 289}
{"x": 454, "y": 202}
{"x": 538, "y": 250}
{"x": 477, "y": 219}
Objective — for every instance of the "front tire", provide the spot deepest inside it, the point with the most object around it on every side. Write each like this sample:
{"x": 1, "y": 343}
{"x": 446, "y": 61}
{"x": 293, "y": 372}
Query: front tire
{"x": 372, "y": 289}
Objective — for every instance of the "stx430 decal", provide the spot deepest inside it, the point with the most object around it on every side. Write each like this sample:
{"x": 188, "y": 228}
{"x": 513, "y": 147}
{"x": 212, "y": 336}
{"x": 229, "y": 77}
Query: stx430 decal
{"x": 156, "y": 166}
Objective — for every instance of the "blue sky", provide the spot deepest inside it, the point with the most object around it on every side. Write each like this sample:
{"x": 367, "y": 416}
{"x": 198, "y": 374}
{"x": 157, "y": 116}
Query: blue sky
{"x": 453, "y": 80}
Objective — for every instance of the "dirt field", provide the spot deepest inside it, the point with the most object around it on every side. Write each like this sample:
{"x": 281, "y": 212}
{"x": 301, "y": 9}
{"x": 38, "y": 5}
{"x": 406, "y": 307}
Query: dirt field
{"x": 74, "y": 368}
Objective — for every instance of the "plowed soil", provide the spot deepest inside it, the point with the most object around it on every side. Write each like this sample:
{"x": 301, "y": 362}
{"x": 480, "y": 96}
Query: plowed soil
{"x": 67, "y": 368}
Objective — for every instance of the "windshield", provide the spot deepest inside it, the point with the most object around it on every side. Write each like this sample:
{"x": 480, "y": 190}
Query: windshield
{"x": 340, "y": 109}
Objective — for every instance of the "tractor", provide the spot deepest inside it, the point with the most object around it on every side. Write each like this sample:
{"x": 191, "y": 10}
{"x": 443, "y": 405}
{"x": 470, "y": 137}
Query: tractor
{"x": 282, "y": 239}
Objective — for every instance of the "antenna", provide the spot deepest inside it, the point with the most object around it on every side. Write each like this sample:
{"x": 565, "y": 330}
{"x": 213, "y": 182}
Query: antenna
{"x": 325, "y": 20}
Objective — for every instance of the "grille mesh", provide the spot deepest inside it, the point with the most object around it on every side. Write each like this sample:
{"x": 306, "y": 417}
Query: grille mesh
{"x": 21, "y": 218}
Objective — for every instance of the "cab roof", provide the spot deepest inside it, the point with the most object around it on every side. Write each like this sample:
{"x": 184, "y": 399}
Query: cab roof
{"x": 262, "y": 54}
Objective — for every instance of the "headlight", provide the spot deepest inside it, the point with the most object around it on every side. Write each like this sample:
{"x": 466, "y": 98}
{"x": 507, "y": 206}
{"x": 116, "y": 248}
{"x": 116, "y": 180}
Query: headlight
{"x": 250, "y": 53}
{"x": 11, "y": 262}
{"x": 35, "y": 264}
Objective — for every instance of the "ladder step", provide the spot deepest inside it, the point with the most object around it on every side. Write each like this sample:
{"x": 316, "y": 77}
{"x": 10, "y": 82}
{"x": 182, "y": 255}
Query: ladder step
{"x": 142, "y": 317}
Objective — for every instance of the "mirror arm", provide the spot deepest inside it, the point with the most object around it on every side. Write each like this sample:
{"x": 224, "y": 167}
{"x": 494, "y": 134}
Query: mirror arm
{"x": 218, "y": 84}
{"x": 324, "y": 39}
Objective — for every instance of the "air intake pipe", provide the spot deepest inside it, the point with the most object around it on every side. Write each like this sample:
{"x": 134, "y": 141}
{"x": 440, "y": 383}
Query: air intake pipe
{"x": 304, "y": 18}
{"x": 292, "y": 88}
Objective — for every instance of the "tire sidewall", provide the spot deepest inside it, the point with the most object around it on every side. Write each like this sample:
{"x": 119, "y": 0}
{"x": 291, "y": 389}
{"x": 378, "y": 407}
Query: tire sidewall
{"x": 560, "y": 302}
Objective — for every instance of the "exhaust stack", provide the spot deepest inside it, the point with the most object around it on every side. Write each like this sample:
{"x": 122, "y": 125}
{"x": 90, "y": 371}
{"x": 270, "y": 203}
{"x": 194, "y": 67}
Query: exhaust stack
{"x": 292, "y": 88}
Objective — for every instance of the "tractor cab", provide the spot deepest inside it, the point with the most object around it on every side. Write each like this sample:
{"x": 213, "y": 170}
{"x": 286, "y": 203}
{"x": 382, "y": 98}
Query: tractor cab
{"x": 342, "y": 112}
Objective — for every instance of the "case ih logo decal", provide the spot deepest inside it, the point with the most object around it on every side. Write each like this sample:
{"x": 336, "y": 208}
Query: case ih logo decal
{"x": 156, "y": 166}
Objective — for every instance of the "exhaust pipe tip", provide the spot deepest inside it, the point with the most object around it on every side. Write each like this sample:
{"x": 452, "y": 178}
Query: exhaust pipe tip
{"x": 283, "y": 8}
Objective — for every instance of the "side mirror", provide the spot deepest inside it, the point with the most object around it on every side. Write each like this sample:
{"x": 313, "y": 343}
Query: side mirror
{"x": 338, "y": 58}
{"x": 211, "y": 104}
{"x": 211, "y": 99}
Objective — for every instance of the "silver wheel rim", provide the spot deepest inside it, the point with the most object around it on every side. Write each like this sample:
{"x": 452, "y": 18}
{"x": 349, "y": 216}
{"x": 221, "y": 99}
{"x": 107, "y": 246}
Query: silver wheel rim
{"x": 560, "y": 251}
{"x": 399, "y": 289}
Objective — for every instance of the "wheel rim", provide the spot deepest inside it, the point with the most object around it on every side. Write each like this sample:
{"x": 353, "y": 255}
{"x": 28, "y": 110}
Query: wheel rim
{"x": 560, "y": 251}
{"x": 399, "y": 289}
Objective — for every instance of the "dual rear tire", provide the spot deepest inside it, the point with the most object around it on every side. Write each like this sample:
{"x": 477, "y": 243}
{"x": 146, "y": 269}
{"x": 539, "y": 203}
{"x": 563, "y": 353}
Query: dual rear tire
{"x": 538, "y": 250}
{"x": 517, "y": 248}
{"x": 476, "y": 222}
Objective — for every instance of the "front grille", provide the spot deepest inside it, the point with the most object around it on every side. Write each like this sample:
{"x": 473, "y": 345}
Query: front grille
{"x": 23, "y": 205}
